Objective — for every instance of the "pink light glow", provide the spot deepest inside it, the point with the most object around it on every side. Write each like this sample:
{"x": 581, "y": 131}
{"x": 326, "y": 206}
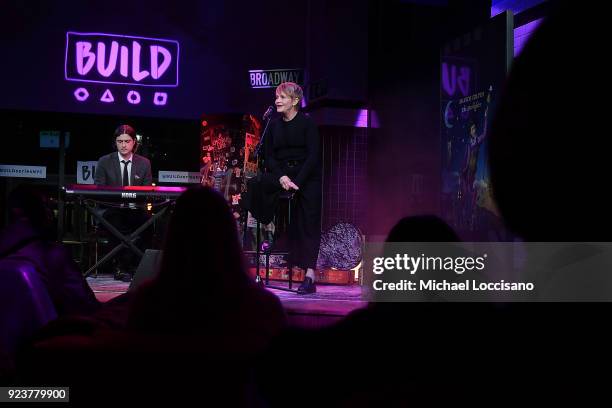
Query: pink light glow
{"x": 133, "y": 97}
{"x": 93, "y": 187}
{"x": 361, "y": 121}
{"x": 81, "y": 94}
{"x": 107, "y": 97}
{"x": 160, "y": 98}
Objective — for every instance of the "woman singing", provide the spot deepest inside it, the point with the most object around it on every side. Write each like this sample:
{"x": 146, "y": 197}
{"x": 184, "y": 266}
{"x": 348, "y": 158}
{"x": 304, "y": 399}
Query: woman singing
{"x": 294, "y": 160}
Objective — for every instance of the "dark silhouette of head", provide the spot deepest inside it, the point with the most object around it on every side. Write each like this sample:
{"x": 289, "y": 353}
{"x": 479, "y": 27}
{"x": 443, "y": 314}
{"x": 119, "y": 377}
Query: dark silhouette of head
{"x": 422, "y": 228}
{"x": 26, "y": 202}
{"x": 202, "y": 252}
{"x": 549, "y": 144}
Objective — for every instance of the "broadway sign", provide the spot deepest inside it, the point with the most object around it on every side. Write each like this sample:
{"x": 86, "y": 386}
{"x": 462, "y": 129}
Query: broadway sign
{"x": 274, "y": 77}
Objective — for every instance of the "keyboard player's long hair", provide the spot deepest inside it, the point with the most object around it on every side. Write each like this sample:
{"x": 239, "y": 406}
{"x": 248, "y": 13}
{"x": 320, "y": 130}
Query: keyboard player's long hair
{"x": 202, "y": 267}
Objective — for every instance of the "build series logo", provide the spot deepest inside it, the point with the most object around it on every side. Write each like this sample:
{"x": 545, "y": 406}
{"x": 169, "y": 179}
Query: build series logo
{"x": 138, "y": 69}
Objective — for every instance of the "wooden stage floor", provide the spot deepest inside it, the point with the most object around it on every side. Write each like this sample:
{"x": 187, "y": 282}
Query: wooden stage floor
{"x": 330, "y": 304}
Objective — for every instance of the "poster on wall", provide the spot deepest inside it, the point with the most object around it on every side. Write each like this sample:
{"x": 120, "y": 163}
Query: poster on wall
{"x": 227, "y": 145}
{"x": 473, "y": 68}
{"x": 250, "y": 160}
{"x": 465, "y": 176}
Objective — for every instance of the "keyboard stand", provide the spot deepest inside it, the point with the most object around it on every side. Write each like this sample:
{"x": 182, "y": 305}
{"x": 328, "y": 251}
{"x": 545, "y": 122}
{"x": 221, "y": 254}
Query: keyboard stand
{"x": 126, "y": 241}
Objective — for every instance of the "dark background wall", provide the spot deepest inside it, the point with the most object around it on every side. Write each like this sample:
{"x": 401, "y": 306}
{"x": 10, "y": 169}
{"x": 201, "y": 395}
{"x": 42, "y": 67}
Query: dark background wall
{"x": 337, "y": 47}
{"x": 403, "y": 154}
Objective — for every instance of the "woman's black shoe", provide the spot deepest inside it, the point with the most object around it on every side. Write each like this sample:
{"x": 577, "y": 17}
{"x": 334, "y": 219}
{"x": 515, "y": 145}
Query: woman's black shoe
{"x": 308, "y": 286}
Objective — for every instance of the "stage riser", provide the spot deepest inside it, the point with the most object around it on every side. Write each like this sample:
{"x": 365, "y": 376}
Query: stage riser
{"x": 330, "y": 276}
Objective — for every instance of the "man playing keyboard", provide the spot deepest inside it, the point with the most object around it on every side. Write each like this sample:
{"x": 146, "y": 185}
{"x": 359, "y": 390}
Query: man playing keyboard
{"x": 125, "y": 168}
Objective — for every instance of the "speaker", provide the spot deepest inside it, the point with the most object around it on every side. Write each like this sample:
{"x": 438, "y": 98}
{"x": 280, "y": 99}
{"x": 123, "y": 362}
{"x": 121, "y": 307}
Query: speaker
{"x": 147, "y": 268}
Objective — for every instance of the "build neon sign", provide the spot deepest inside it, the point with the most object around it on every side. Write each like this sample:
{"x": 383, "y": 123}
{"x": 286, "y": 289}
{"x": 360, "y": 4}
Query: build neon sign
{"x": 136, "y": 63}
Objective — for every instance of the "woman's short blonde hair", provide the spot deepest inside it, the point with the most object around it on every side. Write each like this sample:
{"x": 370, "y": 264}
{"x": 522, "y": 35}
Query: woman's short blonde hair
{"x": 292, "y": 90}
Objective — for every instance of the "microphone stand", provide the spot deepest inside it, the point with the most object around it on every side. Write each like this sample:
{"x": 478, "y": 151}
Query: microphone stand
{"x": 260, "y": 144}
{"x": 260, "y": 164}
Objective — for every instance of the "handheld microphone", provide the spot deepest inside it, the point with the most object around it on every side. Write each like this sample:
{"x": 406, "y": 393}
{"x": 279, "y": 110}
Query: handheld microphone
{"x": 268, "y": 112}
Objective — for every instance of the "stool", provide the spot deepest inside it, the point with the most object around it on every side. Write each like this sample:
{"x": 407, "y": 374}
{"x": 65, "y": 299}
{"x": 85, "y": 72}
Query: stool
{"x": 288, "y": 197}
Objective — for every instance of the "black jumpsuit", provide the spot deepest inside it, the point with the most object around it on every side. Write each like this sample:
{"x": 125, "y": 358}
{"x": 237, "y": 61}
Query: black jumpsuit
{"x": 293, "y": 150}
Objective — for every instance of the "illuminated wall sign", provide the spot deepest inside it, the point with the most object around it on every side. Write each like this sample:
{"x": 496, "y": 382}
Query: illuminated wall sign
{"x": 179, "y": 177}
{"x": 274, "y": 77}
{"x": 121, "y": 60}
{"x": 11, "y": 170}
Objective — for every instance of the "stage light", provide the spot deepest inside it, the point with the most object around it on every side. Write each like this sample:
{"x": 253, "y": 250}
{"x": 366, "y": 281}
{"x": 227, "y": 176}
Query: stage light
{"x": 204, "y": 123}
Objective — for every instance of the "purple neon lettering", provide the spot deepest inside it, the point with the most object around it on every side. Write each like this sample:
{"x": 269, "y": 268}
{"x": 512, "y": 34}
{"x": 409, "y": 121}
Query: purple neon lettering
{"x": 107, "y": 70}
{"x": 156, "y": 69}
{"x": 83, "y": 51}
{"x": 137, "y": 74}
{"x": 111, "y": 57}
{"x": 123, "y": 64}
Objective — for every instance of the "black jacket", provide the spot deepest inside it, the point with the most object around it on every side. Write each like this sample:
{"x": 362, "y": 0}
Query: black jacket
{"x": 108, "y": 171}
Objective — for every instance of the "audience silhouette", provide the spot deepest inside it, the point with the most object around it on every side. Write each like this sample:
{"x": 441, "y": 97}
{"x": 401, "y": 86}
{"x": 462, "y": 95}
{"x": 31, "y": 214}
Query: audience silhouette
{"x": 198, "y": 324}
{"x": 38, "y": 278}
